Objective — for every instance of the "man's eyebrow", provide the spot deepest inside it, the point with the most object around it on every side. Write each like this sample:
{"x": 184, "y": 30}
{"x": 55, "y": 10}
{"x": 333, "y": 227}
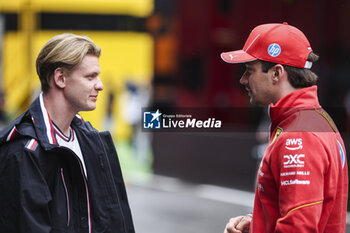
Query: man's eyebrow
{"x": 93, "y": 73}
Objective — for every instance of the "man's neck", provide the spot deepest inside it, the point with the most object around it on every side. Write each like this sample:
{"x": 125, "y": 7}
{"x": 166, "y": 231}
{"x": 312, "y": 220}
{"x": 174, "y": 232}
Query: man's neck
{"x": 283, "y": 90}
{"x": 59, "y": 112}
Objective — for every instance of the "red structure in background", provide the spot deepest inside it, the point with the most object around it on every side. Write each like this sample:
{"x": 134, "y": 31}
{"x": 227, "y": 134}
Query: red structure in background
{"x": 197, "y": 77}
{"x": 202, "y": 29}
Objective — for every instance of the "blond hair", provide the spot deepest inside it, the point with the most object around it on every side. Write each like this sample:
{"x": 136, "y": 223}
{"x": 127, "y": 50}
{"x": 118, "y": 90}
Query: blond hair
{"x": 64, "y": 51}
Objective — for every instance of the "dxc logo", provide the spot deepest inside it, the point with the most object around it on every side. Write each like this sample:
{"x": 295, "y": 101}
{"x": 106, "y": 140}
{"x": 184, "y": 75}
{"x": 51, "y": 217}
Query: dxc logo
{"x": 293, "y": 160}
{"x": 294, "y": 144}
{"x": 274, "y": 50}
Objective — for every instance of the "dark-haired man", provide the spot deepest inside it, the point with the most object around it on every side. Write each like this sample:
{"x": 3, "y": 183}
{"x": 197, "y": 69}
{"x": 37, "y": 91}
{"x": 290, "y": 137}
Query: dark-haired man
{"x": 302, "y": 183}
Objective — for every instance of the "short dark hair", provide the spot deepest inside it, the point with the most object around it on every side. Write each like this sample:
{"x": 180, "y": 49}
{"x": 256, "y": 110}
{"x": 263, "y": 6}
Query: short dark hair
{"x": 297, "y": 77}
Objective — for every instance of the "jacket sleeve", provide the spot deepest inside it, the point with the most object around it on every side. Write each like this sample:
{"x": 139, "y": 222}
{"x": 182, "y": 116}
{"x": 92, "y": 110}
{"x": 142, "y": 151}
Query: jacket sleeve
{"x": 24, "y": 197}
{"x": 118, "y": 178}
{"x": 299, "y": 164}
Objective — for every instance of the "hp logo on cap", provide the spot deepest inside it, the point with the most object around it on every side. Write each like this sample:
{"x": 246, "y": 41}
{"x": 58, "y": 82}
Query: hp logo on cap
{"x": 274, "y": 50}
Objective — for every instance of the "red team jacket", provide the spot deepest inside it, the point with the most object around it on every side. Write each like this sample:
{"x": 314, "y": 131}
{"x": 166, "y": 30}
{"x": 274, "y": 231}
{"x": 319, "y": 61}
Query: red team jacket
{"x": 303, "y": 178}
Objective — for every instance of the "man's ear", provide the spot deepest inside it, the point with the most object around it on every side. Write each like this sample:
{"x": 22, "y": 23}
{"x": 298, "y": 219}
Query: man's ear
{"x": 59, "y": 78}
{"x": 277, "y": 73}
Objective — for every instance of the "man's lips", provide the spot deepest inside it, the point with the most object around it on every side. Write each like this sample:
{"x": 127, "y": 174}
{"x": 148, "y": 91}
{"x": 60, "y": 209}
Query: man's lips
{"x": 247, "y": 88}
{"x": 94, "y": 97}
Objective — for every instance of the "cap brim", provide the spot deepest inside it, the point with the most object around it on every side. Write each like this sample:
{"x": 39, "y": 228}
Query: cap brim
{"x": 238, "y": 56}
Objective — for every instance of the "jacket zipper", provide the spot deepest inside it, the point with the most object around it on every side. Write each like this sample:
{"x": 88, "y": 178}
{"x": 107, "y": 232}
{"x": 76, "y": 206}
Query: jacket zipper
{"x": 86, "y": 189}
{"x": 67, "y": 197}
{"x": 87, "y": 198}
{"x": 85, "y": 183}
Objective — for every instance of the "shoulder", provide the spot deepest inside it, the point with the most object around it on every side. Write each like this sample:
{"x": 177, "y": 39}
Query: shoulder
{"x": 21, "y": 127}
{"x": 299, "y": 150}
{"x": 14, "y": 154}
{"x": 297, "y": 140}
{"x": 310, "y": 145}
{"x": 81, "y": 125}
{"x": 17, "y": 136}
{"x": 310, "y": 120}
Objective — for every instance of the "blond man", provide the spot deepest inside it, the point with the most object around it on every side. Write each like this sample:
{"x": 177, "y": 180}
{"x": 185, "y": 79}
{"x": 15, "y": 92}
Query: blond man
{"x": 59, "y": 174}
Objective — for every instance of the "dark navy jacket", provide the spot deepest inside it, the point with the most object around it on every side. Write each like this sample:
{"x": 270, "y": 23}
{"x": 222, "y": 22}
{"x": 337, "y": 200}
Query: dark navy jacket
{"x": 42, "y": 186}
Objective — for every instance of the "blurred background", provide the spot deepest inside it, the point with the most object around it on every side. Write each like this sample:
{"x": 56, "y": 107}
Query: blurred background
{"x": 166, "y": 53}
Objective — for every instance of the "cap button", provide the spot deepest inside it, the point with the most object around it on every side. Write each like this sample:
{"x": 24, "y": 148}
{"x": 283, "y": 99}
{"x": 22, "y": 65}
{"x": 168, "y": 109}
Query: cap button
{"x": 285, "y": 23}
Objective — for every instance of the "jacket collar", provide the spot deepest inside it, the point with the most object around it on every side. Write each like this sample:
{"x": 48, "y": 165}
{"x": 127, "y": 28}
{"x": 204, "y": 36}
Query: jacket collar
{"x": 304, "y": 98}
{"x": 43, "y": 124}
{"x": 36, "y": 123}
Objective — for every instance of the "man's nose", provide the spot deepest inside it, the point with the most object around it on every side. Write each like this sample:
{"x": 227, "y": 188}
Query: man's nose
{"x": 99, "y": 84}
{"x": 243, "y": 80}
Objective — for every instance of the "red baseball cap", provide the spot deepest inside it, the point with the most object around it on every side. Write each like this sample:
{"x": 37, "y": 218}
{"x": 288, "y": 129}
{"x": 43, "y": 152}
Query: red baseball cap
{"x": 275, "y": 42}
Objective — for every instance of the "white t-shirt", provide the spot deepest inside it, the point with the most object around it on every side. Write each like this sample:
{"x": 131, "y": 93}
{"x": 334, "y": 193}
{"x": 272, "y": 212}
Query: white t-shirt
{"x": 70, "y": 142}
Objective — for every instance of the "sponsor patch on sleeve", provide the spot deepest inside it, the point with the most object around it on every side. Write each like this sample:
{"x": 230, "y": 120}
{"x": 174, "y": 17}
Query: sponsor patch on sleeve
{"x": 342, "y": 154}
{"x": 279, "y": 131}
{"x": 294, "y": 144}
{"x": 32, "y": 144}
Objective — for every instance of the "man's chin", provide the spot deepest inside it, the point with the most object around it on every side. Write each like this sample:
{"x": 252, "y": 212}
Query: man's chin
{"x": 88, "y": 108}
{"x": 253, "y": 101}
{"x": 257, "y": 103}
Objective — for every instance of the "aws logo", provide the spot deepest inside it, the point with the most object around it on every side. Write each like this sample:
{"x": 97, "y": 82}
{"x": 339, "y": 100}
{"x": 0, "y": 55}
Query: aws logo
{"x": 294, "y": 144}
